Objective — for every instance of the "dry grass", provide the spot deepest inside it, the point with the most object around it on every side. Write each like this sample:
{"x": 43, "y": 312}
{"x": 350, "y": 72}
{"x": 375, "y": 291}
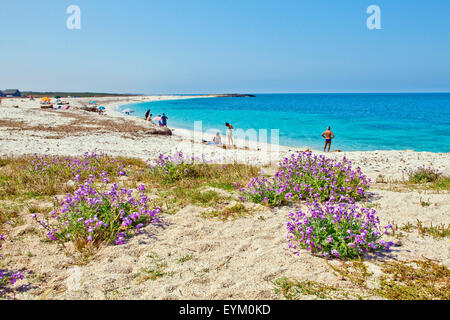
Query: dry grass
{"x": 18, "y": 179}
{"x": 414, "y": 280}
{"x": 439, "y": 231}
{"x": 401, "y": 280}
{"x": 81, "y": 124}
{"x": 296, "y": 290}
{"x": 10, "y": 214}
{"x": 195, "y": 187}
{"x": 233, "y": 212}
{"x": 217, "y": 176}
{"x": 14, "y": 180}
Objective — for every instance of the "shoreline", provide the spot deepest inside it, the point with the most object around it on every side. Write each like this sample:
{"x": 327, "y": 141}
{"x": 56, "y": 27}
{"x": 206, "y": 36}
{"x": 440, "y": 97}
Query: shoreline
{"x": 188, "y": 133}
{"x": 196, "y": 255}
{"x": 29, "y": 129}
{"x": 115, "y": 107}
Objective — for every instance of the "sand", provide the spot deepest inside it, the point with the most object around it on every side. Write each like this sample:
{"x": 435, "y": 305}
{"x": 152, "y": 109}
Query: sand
{"x": 197, "y": 258}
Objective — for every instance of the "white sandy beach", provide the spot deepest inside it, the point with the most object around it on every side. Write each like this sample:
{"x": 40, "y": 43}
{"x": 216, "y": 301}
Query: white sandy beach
{"x": 46, "y": 133}
{"x": 237, "y": 259}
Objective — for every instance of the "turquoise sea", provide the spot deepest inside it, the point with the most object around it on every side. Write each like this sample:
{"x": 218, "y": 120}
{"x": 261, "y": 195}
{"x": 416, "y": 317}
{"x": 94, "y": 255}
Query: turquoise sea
{"x": 399, "y": 121}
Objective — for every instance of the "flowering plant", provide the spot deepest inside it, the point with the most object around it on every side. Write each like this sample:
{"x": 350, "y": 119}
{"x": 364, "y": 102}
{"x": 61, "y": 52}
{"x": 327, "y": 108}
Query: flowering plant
{"x": 78, "y": 168}
{"x": 336, "y": 230}
{"x": 175, "y": 167}
{"x": 307, "y": 177}
{"x": 424, "y": 175}
{"x": 89, "y": 216}
{"x": 8, "y": 276}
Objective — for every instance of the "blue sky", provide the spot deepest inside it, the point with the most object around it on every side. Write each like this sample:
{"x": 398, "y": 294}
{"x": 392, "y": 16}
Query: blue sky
{"x": 208, "y": 46}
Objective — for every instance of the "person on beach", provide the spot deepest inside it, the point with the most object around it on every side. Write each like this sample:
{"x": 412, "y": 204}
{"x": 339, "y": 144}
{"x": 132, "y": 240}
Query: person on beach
{"x": 217, "y": 139}
{"x": 230, "y": 133}
{"x": 159, "y": 121}
{"x": 328, "y": 136}
{"x": 164, "y": 120}
{"x": 149, "y": 118}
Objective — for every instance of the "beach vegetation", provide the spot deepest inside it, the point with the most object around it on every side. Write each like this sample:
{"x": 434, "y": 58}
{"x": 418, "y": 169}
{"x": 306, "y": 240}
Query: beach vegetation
{"x": 399, "y": 280}
{"x": 442, "y": 183}
{"x": 177, "y": 197}
{"x": 336, "y": 230}
{"x": 414, "y": 280}
{"x": 10, "y": 213}
{"x": 235, "y": 211}
{"x": 186, "y": 258}
{"x": 150, "y": 274}
{"x": 307, "y": 177}
{"x": 7, "y": 277}
{"x": 423, "y": 175}
{"x": 437, "y": 231}
{"x": 46, "y": 175}
{"x": 180, "y": 170}
{"x": 156, "y": 269}
{"x": 89, "y": 217}
{"x": 296, "y": 290}
{"x": 355, "y": 271}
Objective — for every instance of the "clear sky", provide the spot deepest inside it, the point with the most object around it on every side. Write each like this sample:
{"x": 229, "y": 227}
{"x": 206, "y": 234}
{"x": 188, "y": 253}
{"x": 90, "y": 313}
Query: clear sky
{"x": 209, "y": 46}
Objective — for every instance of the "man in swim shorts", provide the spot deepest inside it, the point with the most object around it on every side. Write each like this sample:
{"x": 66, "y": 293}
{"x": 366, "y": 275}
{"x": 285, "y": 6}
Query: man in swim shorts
{"x": 328, "y": 135}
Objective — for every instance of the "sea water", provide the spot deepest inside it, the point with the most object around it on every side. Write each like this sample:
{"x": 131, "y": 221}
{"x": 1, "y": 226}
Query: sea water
{"x": 397, "y": 121}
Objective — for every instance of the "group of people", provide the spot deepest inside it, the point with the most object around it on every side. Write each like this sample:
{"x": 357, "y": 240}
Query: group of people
{"x": 162, "y": 119}
{"x": 217, "y": 140}
{"x": 328, "y": 135}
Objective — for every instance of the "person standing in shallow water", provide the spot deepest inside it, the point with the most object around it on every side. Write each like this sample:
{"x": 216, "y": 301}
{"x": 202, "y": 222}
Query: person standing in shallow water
{"x": 328, "y": 135}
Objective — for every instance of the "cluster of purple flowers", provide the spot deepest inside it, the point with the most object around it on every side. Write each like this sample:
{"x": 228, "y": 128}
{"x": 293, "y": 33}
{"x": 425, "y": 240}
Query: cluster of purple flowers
{"x": 174, "y": 167}
{"x": 307, "y": 177}
{"x": 78, "y": 168}
{"x": 334, "y": 226}
{"x": 339, "y": 230}
{"x": 93, "y": 216}
{"x": 178, "y": 158}
{"x": 423, "y": 175}
{"x": 8, "y": 276}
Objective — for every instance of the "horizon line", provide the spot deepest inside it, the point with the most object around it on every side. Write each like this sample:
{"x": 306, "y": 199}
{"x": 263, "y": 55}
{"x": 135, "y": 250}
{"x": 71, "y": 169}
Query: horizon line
{"x": 217, "y": 93}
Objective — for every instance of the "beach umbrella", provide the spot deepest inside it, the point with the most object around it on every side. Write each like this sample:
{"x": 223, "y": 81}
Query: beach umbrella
{"x": 157, "y": 119}
{"x": 93, "y": 102}
{"x": 147, "y": 114}
{"x": 101, "y": 108}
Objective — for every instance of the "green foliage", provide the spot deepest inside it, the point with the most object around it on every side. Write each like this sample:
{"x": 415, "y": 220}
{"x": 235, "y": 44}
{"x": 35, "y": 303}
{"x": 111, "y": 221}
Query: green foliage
{"x": 50, "y": 175}
{"x": 423, "y": 175}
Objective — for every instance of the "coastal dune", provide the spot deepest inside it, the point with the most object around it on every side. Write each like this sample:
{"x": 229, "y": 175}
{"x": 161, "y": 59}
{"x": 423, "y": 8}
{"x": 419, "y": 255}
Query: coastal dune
{"x": 187, "y": 256}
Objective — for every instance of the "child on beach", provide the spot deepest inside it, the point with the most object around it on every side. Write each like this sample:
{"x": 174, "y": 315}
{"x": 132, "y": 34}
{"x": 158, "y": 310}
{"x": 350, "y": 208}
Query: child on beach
{"x": 230, "y": 133}
{"x": 328, "y": 135}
